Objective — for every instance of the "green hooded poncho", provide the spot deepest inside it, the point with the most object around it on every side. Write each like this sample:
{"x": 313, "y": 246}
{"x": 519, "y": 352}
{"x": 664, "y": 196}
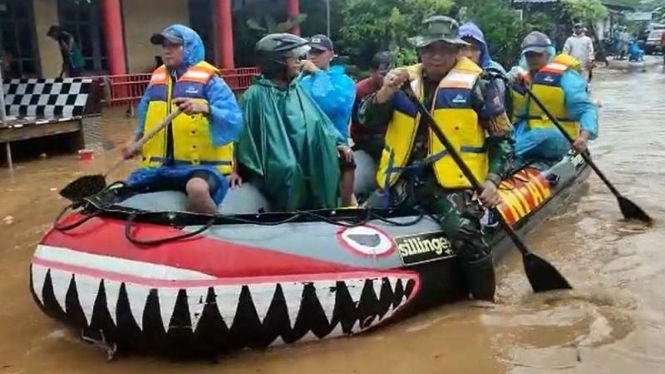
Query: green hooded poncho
{"x": 289, "y": 147}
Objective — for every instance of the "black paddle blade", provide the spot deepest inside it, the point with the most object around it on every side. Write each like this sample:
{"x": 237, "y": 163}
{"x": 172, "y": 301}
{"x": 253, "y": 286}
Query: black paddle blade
{"x": 83, "y": 187}
{"x": 542, "y": 275}
{"x": 630, "y": 210}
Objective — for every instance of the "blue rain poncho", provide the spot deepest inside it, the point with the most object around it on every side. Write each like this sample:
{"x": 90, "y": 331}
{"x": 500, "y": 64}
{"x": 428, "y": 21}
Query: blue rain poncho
{"x": 496, "y": 95}
{"x": 549, "y": 144}
{"x": 225, "y": 123}
{"x": 334, "y": 92}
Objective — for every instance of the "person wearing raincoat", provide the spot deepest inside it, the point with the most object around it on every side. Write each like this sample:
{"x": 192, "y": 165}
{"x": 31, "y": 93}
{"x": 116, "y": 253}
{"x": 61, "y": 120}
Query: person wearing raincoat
{"x": 497, "y": 98}
{"x": 557, "y": 82}
{"x": 195, "y": 152}
{"x": 289, "y": 148}
{"x": 334, "y": 92}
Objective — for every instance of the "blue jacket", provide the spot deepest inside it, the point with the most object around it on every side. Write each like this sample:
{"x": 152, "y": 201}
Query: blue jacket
{"x": 495, "y": 93}
{"x": 550, "y": 143}
{"x": 225, "y": 120}
{"x": 334, "y": 92}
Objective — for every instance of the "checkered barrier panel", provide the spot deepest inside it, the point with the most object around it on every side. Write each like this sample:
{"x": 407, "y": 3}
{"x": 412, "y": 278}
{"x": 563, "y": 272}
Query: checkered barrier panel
{"x": 47, "y": 98}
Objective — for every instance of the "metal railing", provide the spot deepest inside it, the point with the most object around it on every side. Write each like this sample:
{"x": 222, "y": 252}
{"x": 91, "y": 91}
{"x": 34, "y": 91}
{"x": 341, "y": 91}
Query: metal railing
{"x": 128, "y": 89}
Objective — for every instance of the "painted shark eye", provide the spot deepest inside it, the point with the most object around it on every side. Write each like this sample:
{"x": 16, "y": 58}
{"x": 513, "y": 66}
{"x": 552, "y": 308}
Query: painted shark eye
{"x": 366, "y": 241}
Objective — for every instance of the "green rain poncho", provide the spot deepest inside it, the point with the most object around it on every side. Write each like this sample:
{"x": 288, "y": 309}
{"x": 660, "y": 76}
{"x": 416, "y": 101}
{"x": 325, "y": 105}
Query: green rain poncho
{"x": 289, "y": 147}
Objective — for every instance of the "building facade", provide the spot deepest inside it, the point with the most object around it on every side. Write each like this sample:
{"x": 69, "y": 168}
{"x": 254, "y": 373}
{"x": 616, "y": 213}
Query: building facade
{"x": 114, "y": 34}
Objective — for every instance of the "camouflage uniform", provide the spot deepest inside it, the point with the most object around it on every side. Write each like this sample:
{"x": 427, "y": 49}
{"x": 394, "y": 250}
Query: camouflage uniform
{"x": 457, "y": 211}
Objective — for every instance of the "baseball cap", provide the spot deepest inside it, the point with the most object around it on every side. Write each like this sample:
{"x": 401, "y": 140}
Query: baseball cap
{"x": 168, "y": 35}
{"x": 536, "y": 42}
{"x": 321, "y": 42}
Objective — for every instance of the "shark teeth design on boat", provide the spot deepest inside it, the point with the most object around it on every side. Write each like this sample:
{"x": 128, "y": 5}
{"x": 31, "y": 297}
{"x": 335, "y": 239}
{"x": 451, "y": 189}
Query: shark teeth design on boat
{"x": 60, "y": 281}
{"x": 137, "y": 296}
{"x": 112, "y": 290}
{"x": 262, "y": 296}
{"x": 167, "y": 299}
{"x": 196, "y": 302}
{"x": 38, "y": 277}
{"x": 282, "y": 310}
{"x": 293, "y": 297}
{"x": 325, "y": 292}
{"x": 87, "y": 288}
{"x": 227, "y": 299}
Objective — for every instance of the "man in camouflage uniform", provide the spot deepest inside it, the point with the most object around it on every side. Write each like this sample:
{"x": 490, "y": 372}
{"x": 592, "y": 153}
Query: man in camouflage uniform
{"x": 468, "y": 110}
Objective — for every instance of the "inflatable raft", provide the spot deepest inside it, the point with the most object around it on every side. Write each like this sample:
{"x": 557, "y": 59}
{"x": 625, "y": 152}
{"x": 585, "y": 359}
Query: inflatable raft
{"x": 133, "y": 271}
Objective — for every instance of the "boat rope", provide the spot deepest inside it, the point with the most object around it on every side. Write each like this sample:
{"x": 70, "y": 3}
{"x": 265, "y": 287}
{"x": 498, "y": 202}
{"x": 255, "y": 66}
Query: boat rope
{"x": 155, "y": 242}
{"x": 95, "y": 206}
{"x": 83, "y": 217}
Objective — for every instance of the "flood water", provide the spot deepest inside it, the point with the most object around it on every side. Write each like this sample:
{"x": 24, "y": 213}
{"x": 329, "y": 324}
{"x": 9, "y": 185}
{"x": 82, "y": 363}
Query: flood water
{"x": 613, "y": 322}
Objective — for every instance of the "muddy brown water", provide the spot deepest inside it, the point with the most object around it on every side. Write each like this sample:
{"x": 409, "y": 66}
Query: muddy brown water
{"x": 613, "y": 322}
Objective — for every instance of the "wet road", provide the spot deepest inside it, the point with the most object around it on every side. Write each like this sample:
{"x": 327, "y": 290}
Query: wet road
{"x": 612, "y": 323}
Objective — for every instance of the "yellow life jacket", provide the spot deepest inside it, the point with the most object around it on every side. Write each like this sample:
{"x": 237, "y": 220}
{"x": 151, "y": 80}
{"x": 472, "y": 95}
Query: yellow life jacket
{"x": 192, "y": 142}
{"x": 546, "y": 85}
{"x": 454, "y": 114}
{"x": 569, "y": 61}
{"x": 519, "y": 98}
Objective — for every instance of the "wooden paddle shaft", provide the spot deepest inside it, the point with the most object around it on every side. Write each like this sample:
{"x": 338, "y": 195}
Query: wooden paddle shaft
{"x": 584, "y": 155}
{"x": 144, "y": 139}
{"x": 475, "y": 183}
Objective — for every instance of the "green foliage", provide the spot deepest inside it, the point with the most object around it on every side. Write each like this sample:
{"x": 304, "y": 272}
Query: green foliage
{"x": 316, "y": 22}
{"x": 371, "y": 26}
{"x": 405, "y": 56}
{"x": 500, "y": 23}
{"x": 586, "y": 11}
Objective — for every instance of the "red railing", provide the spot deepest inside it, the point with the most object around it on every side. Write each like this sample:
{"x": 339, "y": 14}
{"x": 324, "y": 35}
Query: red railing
{"x": 128, "y": 89}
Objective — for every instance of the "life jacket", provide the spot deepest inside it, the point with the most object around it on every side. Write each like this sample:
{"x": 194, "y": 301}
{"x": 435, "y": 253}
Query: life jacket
{"x": 454, "y": 114}
{"x": 569, "y": 61}
{"x": 546, "y": 85}
{"x": 192, "y": 142}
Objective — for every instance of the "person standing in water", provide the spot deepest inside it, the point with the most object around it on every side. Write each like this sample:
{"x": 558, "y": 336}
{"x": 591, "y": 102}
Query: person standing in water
{"x": 72, "y": 58}
{"x": 580, "y": 47}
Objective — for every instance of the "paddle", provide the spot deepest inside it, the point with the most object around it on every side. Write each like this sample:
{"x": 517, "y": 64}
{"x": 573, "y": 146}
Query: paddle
{"x": 541, "y": 274}
{"x": 629, "y": 209}
{"x": 89, "y": 185}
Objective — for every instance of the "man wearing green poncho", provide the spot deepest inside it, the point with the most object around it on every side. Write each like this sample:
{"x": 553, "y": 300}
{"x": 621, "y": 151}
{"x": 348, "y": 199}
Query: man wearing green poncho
{"x": 289, "y": 148}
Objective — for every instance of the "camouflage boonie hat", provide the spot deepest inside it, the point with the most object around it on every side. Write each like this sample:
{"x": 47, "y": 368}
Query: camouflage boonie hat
{"x": 438, "y": 29}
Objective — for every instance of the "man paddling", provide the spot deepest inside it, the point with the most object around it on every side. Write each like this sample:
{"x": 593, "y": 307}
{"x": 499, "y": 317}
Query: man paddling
{"x": 195, "y": 152}
{"x": 558, "y": 84}
{"x": 413, "y": 156}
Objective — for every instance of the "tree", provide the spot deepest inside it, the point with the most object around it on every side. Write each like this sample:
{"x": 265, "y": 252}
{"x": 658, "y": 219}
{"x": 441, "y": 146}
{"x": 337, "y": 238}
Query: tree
{"x": 586, "y": 11}
{"x": 500, "y": 23}
{"x": 371, "y": 26}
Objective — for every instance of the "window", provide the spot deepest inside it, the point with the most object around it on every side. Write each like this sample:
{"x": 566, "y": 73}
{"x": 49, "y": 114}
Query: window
{"x": 18, "y": 39}
{"x": 83, "y": 19}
